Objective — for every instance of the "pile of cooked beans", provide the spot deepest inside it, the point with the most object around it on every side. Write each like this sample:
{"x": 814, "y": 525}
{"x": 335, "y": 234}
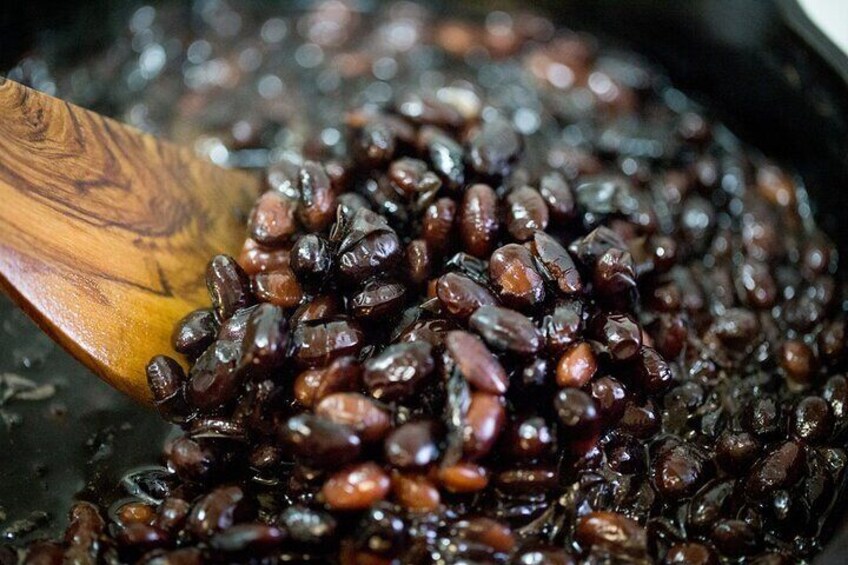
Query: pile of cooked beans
{"x": 543, "y": 309}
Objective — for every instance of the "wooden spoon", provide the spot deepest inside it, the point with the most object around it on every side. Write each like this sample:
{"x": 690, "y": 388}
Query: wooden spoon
{"x": 105, "y": 231}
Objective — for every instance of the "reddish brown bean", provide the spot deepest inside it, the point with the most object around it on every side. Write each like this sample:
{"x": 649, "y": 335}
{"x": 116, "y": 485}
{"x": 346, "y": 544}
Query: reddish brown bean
{"x": 515, "y": 278}
{"x": 478, "y": 220}
{"x": 576, "y": 366}
{"x": 476, "y": 363}
{"x": 272, "y": 220}
{"x": 461, "y": 296}
{"x": 526, "y": 212}
{"x": 356, "y": 488}
{"x": 483, "y": 424}
{"x": 415, "y": 493}
{"x": 357, "y": 411}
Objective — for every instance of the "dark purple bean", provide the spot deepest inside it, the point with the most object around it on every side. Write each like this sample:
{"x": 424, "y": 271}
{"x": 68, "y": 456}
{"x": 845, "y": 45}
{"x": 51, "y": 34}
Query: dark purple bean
{"x": 562, "y": 327}
{"x": 249, "y": 539}
{"x": 476, "y": 363}
{"x": 506, "y": 330}
{"x": 368, "y": 419}
{"x": 735, "y": 538}
{"x": 494, "y": 147}
{"x": 652, "y": 372}
{"x": 317, "y": 344}
{"x": 317, "y": 200}
{"x": 444, "y": 154}
{"x": 272, "y": 221}
{"x": 213, "y": 380}
{"x": 461, "y": 296}
{"x": 736, "y": 452}
{"x": 691, "y": 554}
{"x": 437, "y": 223}
{"x": 411, "y": 176}
{"x": 614, "y": 273}
{"x": 527, "y": 438}
{"x": 218, "y": 511}
{"x": 413, "y": 445}
{"x": 558, "y": 196}
{"x": 311, "y": 258}
{"x": 613, "y": 532}
{"x": 484, "y": 422}
{"x": 195, "y": 332}
{"x": 780, "y": 468}
{"x": 419, "y": 261}
{"x": 620, "y": 333}
{"x": 515, "y": 278}
{"x": 229, "y": 286}
{"x": 812, "y": 420}
{"x": 578, "y": 417}
{"x": 265, "y": 340}
{"x": 378, "y": 300}
{"x": 166, "y": 380}
{"x": 557, "y": 263}
{"x": 478, "y": 220}
{"x": 680, "y": 471}
{"x": 609, "y": 395}
{"x": 319, "y": 442}
{"x": 398, "y": 371}
{"x": 382, "y": 532}
{"x": 194, "y": 461}
{"x": 526, "y": 212}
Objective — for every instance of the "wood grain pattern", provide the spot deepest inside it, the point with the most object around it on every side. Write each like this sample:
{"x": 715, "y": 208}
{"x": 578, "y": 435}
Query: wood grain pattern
{"x": 105, "y": 231}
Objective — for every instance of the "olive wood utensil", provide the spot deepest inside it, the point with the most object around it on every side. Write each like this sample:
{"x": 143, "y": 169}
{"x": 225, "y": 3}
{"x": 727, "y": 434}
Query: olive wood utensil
{"x": 105, "y": 231}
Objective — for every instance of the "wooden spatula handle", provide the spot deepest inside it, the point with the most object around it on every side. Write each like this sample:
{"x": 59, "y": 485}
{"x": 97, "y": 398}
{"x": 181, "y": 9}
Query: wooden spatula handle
{"x": 105, "y": 231}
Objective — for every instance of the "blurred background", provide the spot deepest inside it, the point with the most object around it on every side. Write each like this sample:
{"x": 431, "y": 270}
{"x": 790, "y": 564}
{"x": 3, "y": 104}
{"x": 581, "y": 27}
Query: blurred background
{"x": 173, "y": 68}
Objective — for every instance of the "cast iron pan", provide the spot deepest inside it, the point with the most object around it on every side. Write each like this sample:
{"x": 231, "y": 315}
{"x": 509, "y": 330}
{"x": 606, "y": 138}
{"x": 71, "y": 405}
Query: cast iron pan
{"x": 761, "y": 64}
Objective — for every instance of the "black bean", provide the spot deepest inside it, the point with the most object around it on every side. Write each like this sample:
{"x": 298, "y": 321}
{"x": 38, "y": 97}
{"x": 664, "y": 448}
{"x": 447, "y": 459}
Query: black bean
{"x": 378, "y": 300}
{"x": 506, "y": 330}
{"x": 213, "y": 380}
{"x": 229, "y": 286}
{"x": 398, "y": 371}
{"x": 413, "y": 445}
{"x": 558, "y": 264}
{"x": 195, "y": 332}
{"x": 526, "y": 212}
{"x": 319, "y": 442}
{"x": 218, "y": 511}
{"x": 515, "y": 278}
{"x": 311, "y": 258}
{"x": 265, "y": 340}
{"x": 478, "y": 220}
{"x": 494, "y": 147}
{"x": 461, "y": 296}
{"x": 317, "y": 344}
